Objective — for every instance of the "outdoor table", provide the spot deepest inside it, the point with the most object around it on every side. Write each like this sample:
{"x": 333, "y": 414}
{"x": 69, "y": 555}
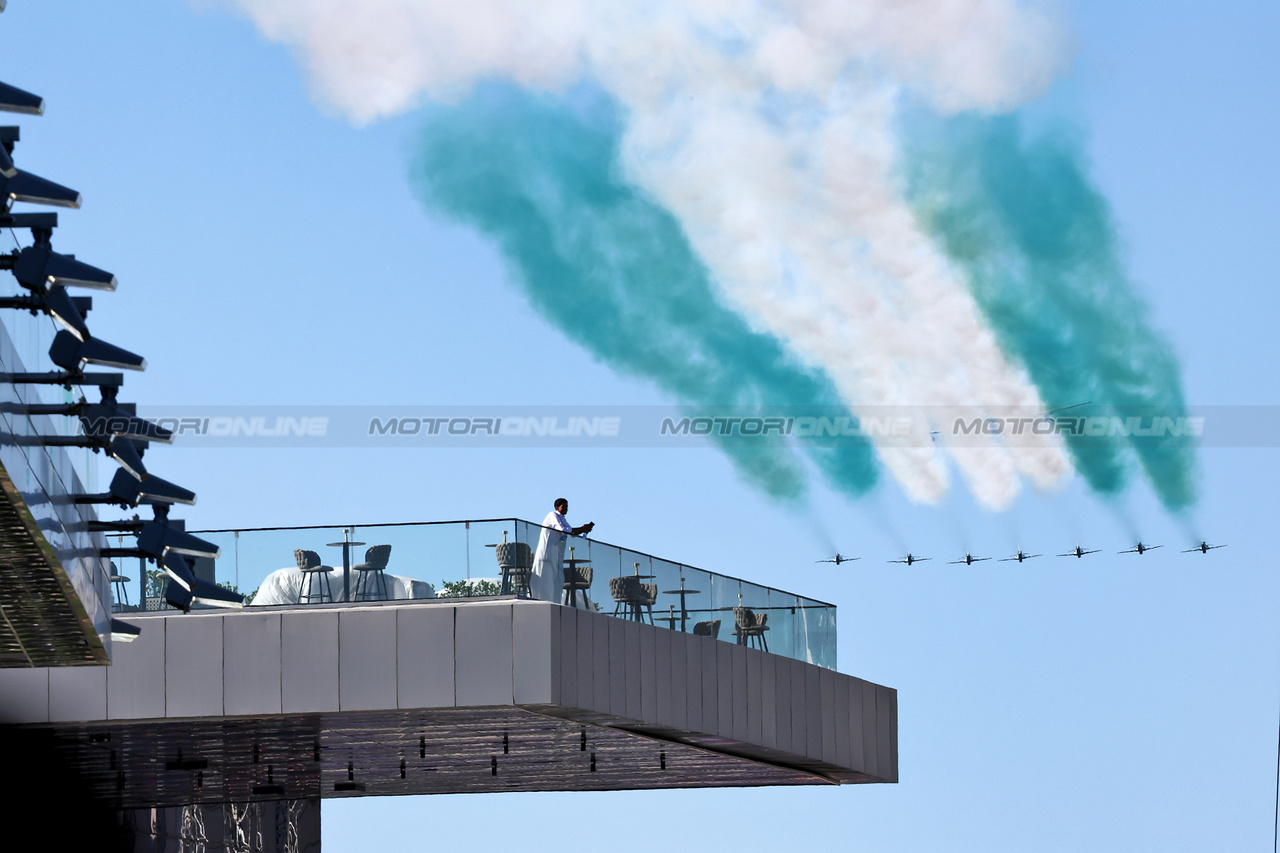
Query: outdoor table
{"x": 671, "y": 618}
{"x": 345, "y": 545}
{"x": 682, "y": 592}
{"x": 639, "y": 576}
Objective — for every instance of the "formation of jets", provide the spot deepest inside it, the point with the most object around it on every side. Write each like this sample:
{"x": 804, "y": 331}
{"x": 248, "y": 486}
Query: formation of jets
{"x": 1078, "y": 552}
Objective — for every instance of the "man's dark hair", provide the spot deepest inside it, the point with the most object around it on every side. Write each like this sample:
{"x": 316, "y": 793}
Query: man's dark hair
{"x": 561, "y": 502}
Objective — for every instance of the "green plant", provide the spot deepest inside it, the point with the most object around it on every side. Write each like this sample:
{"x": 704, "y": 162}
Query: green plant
{"x": 468, "y": 588}
{"x": 157, "y": 580}
{"x": 248, "y": 596}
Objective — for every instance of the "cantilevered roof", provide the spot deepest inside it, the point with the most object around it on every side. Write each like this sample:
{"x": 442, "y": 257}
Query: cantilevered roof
{"x": 443, "y": 696}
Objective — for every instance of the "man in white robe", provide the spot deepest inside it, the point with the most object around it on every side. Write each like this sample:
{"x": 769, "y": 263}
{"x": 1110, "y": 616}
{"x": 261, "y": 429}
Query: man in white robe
{"x": 547, "y": 580}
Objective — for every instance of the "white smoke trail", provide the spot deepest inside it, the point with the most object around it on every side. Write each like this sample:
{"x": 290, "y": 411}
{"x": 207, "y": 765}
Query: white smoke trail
{"x": 768, "y": 130}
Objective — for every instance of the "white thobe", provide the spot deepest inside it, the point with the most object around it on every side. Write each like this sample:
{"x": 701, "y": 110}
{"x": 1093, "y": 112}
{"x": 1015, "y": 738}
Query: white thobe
{"x": 547, "y": 582}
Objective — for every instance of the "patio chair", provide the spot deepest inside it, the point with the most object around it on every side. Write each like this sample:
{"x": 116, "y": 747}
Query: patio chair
{"x": 371, "y": 574}
{"x": 309, "y": 590}
{"x": 710, "y": 628}
{"x": 515, "y": 559}
{"x": 119, "y": 591}
{"x": 750, "y": 626}
{"x": 576, "y": 578}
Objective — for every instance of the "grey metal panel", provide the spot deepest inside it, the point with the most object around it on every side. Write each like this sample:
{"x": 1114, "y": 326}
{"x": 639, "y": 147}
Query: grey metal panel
{"x": 693, "y": 680}
{"x": 587, "y": 625}
{"x": 535, "y": 645}
{"x": 424, "y": 655}
{"x": 193, "y": 666}
{"x": 367, "y": 659}
{"x": 135, "y": 679}
{"x": 679, "y": 662}
{"x": 857, "y": 749}
{"x": 827, "y": 692}
{"x": 483, "y": 655}
{"x": 710, "y": 686}
{"x": 791, "y": 679}
{"x": 649, "y": 672}
{"x": 884, "y": 728}
{"x": 813, "y": 710}
{"x": 755, "y": 696}
{"x": 893, "y": 736}
{"x": 251, "y": 663}
{"x": 631, "y": 648}
{"x": 742, "y": 692}
{"x": 782, "y": 703}
{"x": 599, "y": 659}
{"x": 24, "y": 695}
{"x": 869, "y": 757}
{"x": 567, "y": 624}
{"x": 77, "y": 693}
{"x": 617, "y": 668}
{"x": 663, "y": 672}
{"x": 799, "y": 708}
{"x": 843, "y": 719}
{"x": 309, "y": 661}
{"x": 768, "y": 702}
{"x": 724, "y": 689}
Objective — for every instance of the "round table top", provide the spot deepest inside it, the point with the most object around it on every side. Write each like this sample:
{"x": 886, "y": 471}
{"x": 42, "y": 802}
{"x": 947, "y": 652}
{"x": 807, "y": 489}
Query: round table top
{"x": 338, "y": 544}
{"x": 576, "y": 560}
{"x": 641, "y": 577}
{"x": 681, "y": 591}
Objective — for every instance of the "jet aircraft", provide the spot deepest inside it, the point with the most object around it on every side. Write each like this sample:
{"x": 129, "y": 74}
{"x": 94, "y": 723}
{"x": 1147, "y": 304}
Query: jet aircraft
{"x": 968, "y": 560}
{"x": 1203, "y": 548}
{"x": 1019, "y": 557}
{"x": 1142, "y": 549}
{"x": 838, "y": 559}
{"x": 1079, "y": 552}
{"x": 911, "y": 559}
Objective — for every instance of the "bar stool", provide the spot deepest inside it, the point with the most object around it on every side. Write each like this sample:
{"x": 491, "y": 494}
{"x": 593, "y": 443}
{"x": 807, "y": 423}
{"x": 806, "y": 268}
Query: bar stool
{"x": 119, "y": 591}
{"x": 375, "y": 560}
{"x": 309, "y": 565}
{"x": 576, "y": 578}
{"x": 620, "y": 592}
{"x": 515, "y": 560}
{"x": 749, "y": 626}
{"x": 646, "y": 597}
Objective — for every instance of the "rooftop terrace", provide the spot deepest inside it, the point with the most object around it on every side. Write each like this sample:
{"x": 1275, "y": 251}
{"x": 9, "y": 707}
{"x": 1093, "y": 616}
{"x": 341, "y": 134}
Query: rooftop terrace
{"x": 462, "y": 559}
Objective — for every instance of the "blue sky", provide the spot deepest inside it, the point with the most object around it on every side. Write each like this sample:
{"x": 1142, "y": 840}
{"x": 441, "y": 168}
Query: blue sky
{"x": 269, "y": 253}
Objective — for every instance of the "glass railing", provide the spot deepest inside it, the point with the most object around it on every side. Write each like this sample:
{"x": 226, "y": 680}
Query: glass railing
{"x": 462, "y": 558}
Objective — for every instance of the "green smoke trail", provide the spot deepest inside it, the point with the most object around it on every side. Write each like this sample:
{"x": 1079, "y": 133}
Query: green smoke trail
{"x": 1020, "y": 216}
{"x": 613, "y": 270}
